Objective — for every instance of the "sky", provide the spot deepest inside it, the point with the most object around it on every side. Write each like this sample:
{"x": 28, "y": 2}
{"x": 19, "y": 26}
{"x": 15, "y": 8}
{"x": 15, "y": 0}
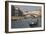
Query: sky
{"x": 28, "y": 8}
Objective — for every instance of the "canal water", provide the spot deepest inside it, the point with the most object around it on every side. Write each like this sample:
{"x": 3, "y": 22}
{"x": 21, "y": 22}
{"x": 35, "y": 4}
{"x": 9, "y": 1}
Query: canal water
{"x": 26, "y": 23}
